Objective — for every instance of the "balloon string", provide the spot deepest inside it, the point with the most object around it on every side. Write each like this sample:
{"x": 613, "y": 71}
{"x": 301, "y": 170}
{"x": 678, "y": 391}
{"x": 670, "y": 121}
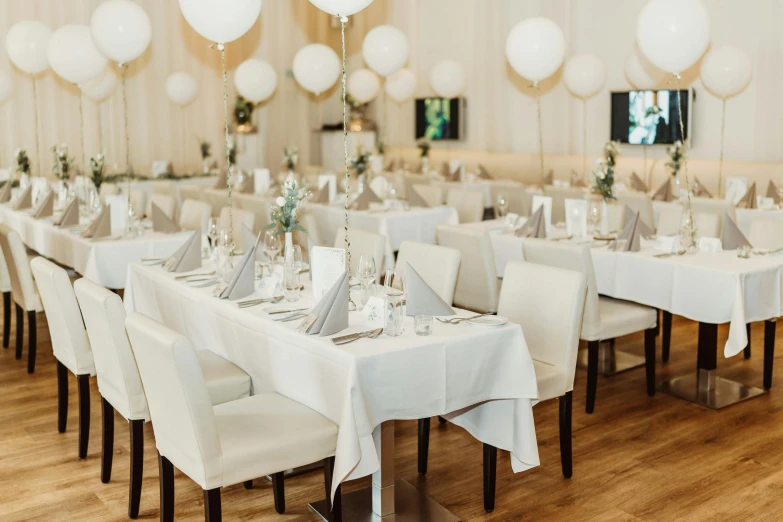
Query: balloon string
{"x": 722, "y": 137}
{"x": 222, "y": 50}
{"x": 540, "y": 131}
{"x": 37, "y": 139}
{"x": 584, "y": 138}
{"x": 128, "y": 168}
{"x": 688, "y": 209}
{"x": 81, "y": 123}
{"x": 343, "y": 20}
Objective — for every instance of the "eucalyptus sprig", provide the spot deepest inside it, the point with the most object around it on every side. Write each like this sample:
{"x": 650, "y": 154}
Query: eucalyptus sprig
{"x": 206, "y": 149}
{"x": 286, "y": 209}
{"x": 290, "y": 157}
{"x": 676, "y": 157}
{"x": 360, "y": 162}
{"x": 22, "y": 161}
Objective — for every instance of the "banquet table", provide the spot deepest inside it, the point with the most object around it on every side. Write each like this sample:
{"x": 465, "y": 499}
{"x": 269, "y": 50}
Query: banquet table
{"x": 482, "y": 186}
{"x": 482, "y": 379}
{"x": 745, "y": 216}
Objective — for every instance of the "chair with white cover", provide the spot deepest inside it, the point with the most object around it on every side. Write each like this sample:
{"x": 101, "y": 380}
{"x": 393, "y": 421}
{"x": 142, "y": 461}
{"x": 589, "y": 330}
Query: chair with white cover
{"x": 709, "y": 224}
{"x": 258, "y": 206}
{"x": 195, "y": 214}
{"x": 222, "y": 445}
{"x": 437, "y": 265}
{"x": 23, "y": 291}
{"x": 669, "y": 220}
{"x": 477, "y": 282}
{"x": 194, "y": 192}
{"x": 604, "y": 318}
{"x": 718, "y": 207}
{"x": 516, "y": 196}
{"x": 638, "y": 202}
{"x": 69, "y": 343}
{"x": 559, "y": 195}
{"x": 164, "y": 202}
{"x": 119, "y": 382}
{"x": 217, "y": 198}
{"x": 468, "y": 203}
{"x": 238, "y": 218}
{"x": 431, "y": 194}
{"x": 363, "y": 244}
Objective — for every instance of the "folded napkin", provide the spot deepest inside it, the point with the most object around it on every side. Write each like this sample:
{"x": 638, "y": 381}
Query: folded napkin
{"x": 732, "y": 238}
{"x": 772, "y": 192}
{"x": 100, "y": 226}
{"x": 5, "y": 192}
{"x": 628, "y": 216}
{"x": 161, "y": 222}
{"x": 415, "y": 199}
{"x": 390, "y": 166}
{"x": 483, "y": 173}
{"x": 630, "y": 239}
{"x": 322, "y": 196}
{"x": 637, "y": 184}
{"x": 70, "y": 216}
{"x": 222, "y": 181}
{"x": 243, "y": 280}
{"x": 25, "y": 199}
{"x": 187, "y": 257}
{"x": 365, "y": 198}
{"x": 46, "y": 207}
{"x": 749, "y": 199}
{"x": 248, "y": 185}
{"x": 445, "y": 171}
{"x": 549, "y": 179}
{"x": 535, "y": 226}
{"x": 421, "y": 298}
{"x": 664, "y": 193}
{"x": 331, "y": 312}
{"x": 699, "y": 191}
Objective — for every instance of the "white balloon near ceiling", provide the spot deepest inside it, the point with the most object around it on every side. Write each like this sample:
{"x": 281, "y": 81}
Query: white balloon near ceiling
{"x": 221, "y": 21}
{"x": 640, "y": 72}
{"x": 401, "y": 85}
{"x": 27, "y": 44}
{"x": 363, "y": 85}
{"x": 584, "y": 75}
{"x": 255, "y": 80}
{"x": 447, "y": 79}
{"x": 181, "y": 88}
{"x": 673, "y": 34}
{"x": 726, "y": 71}
{"x": 6, "y": 86}
{"x": 316, "y": 67}
{"x": 535, "y": 48}
{"x": 341, "y": 7}
{"x": 385, "y": 50}
{"x": 73, "y": 54}
{"x": 100, "y": 88}
{"x": 121, "y": 30}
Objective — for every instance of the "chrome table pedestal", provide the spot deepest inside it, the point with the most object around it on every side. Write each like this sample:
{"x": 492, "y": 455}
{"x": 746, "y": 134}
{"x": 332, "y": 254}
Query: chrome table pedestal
{"x": 611, "y": 361}
{"x": 388, "y": 499}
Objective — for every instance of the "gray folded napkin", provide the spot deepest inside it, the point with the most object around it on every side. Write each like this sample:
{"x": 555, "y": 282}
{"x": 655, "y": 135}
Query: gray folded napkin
{"x": 630, "y": 239}
{"x": 70, "y": 216}
{"x": 445, "y": 170}
{"x": 549, "y": 179}
{"x": 664, "y": 193}
{"x": 732, "y": 238}
{"x": 46, "y": 207}
{"x": 483, "y": 173}
{"x": 699, "y": 191}
{"x": 248, "y": 185}
{"x": 415, "y": 199}
{"x": 25, "y": 199}
{"x": 243, "y": 280}
{"x": 5, "y": 192}
{"x": 365, "y": 198}
{"x": 644, "y": 228}
{"x": 331, "y": 312}
{"x": 421, "y": 298}
{"x": 322, "y": 196}
{"x": 187, "y": 257}
{"x": 749, "y": 199}
{"x": 637, "y": 184}
{"x": 100, "y": 226}
{"x": 390, "y": 166}
{"x": 161, "y": 222}
{"x": 535, "y": 226}
{"x": 772, "y": 192}
{"x": 222, "y": 181}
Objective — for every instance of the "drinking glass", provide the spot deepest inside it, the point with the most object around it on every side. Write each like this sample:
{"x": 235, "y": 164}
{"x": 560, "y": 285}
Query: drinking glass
{"x": 293, "y": 257}
{"x": 212, "y": 232}
{"x": 594, "y": 216}
{"x": 501, "y": 207}
{"x": 394, "y": 289}
{"x": 365, "y": 273}
{"x": 291, "y": 283}
{"x": 272, "y": 247}
{"x": 422, "y": 325}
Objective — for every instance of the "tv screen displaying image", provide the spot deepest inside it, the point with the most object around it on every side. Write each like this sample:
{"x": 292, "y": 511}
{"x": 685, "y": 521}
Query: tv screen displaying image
{"x": 648, "y": 117}
{"x": 439, "y": 118}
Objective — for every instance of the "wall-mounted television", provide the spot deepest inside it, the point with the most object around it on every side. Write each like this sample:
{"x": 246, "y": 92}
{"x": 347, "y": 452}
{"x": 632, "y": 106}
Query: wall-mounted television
{"x": 439, "y": 119}
{"x": 649, "y": 117}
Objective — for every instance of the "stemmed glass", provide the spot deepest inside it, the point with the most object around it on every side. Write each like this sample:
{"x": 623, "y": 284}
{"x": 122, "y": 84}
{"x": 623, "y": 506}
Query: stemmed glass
{"x": 272, "y": 248}
{"x": 365, "y": 273}
{"x": 594, "y": 216}
{"x": 212, "y": 233}
{"x": 501, "y": 206}
{"x": 394, "y": 288}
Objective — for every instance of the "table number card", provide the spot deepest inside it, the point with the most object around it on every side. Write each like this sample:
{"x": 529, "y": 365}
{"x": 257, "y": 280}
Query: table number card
{"x": 710, "y": 244}
{"x": 373, "y": 312}
{"x": 576, "y": 217}
{"x": 511, "y": 221}
{"x": 326, "y": 267}
{"x": 261, "y": 181}
{"x": 546, "y": 202}
{"x": 666, "y": 244}
{"x": 765, "y": 203}
{"x": 735, "y": 189}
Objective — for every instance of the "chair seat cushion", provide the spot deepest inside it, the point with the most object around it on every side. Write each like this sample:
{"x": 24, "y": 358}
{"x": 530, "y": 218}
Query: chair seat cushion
{"x": 225, "y": 381}
{"x": 268, "y": 433}
{"x": 620, "y": 318}
{"x": 551, "y": 381}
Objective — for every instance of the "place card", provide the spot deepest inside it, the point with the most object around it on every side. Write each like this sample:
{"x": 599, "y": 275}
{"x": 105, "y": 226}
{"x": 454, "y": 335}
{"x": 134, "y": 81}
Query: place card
{"x": 261, "y": 181}
{"x": 270, "y": 286}
{"x": 666, "y": 244}
{"x": 546, "y": 202}
{"x": 511, "y": 220}
{"x": 373, "y": 312}
{"x": 765, "y": 203}
{"x": 576, "y": 217}
{"x": 710, "y": 244}
{"x": 326, "y": 267}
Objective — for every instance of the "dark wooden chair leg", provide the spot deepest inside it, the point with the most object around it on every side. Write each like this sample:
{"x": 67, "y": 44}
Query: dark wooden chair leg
{"x": 278, "y": 490}
{"x": 747, "y": 348}
{"x": 592, "y": 374}
{"x": 566, "y": 458}
{"x": 248, "y": 484}
{"x": 212, "y": 509}
{"x": 658, "y": 320}
{"x": 19, "y": 331}
{"x": 137, "y": 466}
{"x": 424, "y": 444}
{"x": 441, "y": 420}
{"x": 83, "y": 383}
{"x": 490, "y": 470}
{"x": 107, "y": 434}
{"x": 166, "y": 474}
{"x": 649, "y": 360}
{"x": 6, "y": 318}
{"x": 667, "y": 336}
{"x": 769, "y": 351}
{"x": 62, "y": 397}
{"x": 31, "y": 339}
{"x": 335, "y": 510}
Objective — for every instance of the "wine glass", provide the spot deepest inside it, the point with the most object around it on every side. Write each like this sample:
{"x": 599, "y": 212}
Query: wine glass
{"x": 594, "y": 216}
{"x": 394, "y": 288}
{"x": 501, "y": 207}
{"x": 293, "y": 257}
{"x": 212, "y": 232}
{"x": 272, "y": 247}
{"x": 365, "y": 273}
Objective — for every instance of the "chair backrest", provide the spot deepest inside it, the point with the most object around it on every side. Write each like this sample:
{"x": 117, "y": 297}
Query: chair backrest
{"x": 66, "y": 328}
{"x": 258, "y": 206}
{"x": 432, "y": 194}
{"x": 217, "y": 198}
{"x": 164, "y": 202}
{"x": 708, "y": 224}
{"x": 164, "y": 187}
{"x": 549, "y": 304}
{"x": 570, "y": 257}
{"x": 638, "y": 202}
{"x": 469, "y": 204}
{"x": 181, "y": 411}
{"x": 766, "y": 233}
{"x": 118, "y": 377}
{"x": 559, "y": 195}
{"x": 194, "y": 192}
{"x": 22, "y": 284}
{"x": 718, "y": 207}
{"x": 363, "y": 243}
{"x": 477, "y": 283}
{"x": 437, "y": 265}
{"x": 195, "y": 214}
{"x": 515, "y": 194}
{"x": 5, "y": 277}
{"x": 239, "y": 218}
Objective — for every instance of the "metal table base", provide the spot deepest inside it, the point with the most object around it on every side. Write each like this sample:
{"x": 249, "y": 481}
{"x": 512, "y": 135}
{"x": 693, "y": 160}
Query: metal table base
{"x": 611, "y": 361}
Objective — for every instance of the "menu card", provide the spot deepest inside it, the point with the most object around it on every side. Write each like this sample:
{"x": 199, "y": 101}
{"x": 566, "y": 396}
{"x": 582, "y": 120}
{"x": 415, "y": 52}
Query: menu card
{"x": 326, "y": 267}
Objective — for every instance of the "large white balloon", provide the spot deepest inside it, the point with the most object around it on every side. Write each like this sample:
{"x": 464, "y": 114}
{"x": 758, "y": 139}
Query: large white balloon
{"x": 181, "y": 88}
{"x": 640, "y": 72}
{"x": 121, "y": 30}
{"x": 584, "y": 75}
{"x": 401, "y": 85}
{"x": 102, "y": 87}
{"x": 673, "y": 34}
{"x": 73, "y": 55}
{"x": 364, "y": 85}
{"x": 385, "y": 50}
{"x": 535, "y": 48}
{"x": 255, "y": 80}
{"x": 341, "y": 7}
{"x": 726, "y": 71}
{"x": 316, "y": 67}
{"x": 448, "y": 79}
{"x": 27, "y": 45}
{"x": 6, "y": 86}
{"x": 221, "y": 21}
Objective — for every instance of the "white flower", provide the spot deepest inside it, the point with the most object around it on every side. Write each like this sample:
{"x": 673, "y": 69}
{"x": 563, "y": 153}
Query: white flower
{"x": 280, "y": 201}
{"x": 601, "y": 175}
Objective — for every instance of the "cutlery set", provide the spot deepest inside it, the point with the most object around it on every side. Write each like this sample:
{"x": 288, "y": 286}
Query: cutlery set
{"x": 458, "y": 320}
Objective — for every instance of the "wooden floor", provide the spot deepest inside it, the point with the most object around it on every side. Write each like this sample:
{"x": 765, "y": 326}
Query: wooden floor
{"x": 636, "y": 458}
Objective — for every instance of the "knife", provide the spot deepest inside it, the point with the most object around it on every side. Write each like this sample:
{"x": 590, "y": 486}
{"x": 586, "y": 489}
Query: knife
{"x": 277, "y": 312}
{"x": 345, "y": 339}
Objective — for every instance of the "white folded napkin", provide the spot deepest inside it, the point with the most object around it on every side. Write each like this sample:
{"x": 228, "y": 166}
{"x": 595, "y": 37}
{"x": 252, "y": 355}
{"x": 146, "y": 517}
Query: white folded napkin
{"x": 100, "y": 226}
{"x": 70, "y": 216}
{"x": 365, "y": 198}
{"x": 242, "y": 282}
{"x": 5, "y": 192}
{"x": 630, "y": 239}
{"x": 749, "y": 199}
{"x": 535, "y": 226}
{"x": 331, "y": 312}
{"x": 732, "y": 238}
{"x": 161, "y": 222}
{"x": 25, "y": 199}
{"x": 415, "y": 199}
{"x": 46, "y": 207}
{"x": 187, "y": 257}
{"x": 421, "y": 298}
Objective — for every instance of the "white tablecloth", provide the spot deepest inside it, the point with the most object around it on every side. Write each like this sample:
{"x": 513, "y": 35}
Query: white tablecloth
{"x": 745, "y": 216}
{"x": 480, "y": 378}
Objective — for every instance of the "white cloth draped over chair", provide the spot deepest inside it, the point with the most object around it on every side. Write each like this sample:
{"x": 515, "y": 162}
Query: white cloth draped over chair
{"x": 477, "y": 283}
{"x": 236, "y": 219}
{"x": 766, "y": 234}
{"x": 559, "y": 195}
{"x": 639, "y": 202}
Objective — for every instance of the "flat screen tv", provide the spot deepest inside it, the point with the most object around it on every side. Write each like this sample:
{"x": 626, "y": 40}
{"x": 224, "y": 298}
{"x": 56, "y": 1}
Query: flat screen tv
{"x": 648, "y": 117}
{"x": 439, "y": 119}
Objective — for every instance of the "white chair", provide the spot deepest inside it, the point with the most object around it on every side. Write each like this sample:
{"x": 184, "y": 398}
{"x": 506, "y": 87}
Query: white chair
{"x": 437, "y": 265}
{"x": 195, "y": 214}
{"x": 431, "y": 194}
{"x": 559, "y": 195}
{"x": 477, "y": 282}
{"x": 718, "y": 207}
{"x": 69, "y": 343}
{"x": 119, "y": 382}
{"x": 221, "y": 445}
{"x": 766, "y": 233}
{"x": 258, "y": 206}
{"x": 194, "y": 192}
{"x": 23, "y": 291}
{"x": 164, "y": 202}
{"x": 468, "y": 203}
{"x": 670, "y": 220}
{"x": 638, "y": 202}
{"x": 217, "y": 198}
{"x": 5, "y": 287}
{"x": 604, "y": 318}
{"x": 363, "y": 244}
{"x": 238, "y": 218}
{"x": 516, "y": 196}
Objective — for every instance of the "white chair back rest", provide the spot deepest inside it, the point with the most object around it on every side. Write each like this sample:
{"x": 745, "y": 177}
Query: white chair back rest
{"x": 194, "y": 192}
{"x": 363, "y": 244}
{"x": 217, "y": 198}
{"x": 559, "y": 195}
{"x": 69, "y": 338}
{"x": 549, "y": 304}
{"x": 469, "y": 204}
{"x": 164, "y": 202}
{"x": 638, "y": 202}
{"x": 195, "y": 214}
{"x": 515, "y": 194}
{"x": 258, "y": 206}
{"x": 118, "y": 377}
{"x": 669, "y": 220}
{"x": 22, "y": 284}
{"x": 180, "y": 407}
{"x": 5, "y": 278}
{"x": 239, "y": 218}
{"x": 708, "y": 224}
{"x": 477, "y": 283}
{"x": 163, "y": 187}
{"x": 766, "y": 233}
{"x": 409, "y": 180}
{"x": 719, "y": 207}
{"x": 437, "y": 265}
{"x": 432, "y": 194}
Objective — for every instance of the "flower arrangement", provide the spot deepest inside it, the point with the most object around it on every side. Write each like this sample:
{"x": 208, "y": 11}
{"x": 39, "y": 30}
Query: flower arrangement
{"x": 232, "y": 153}
{"x": 96, "y": 169}
{"x": 206, "y": 149}
{"x": 290, "y": 157}
{"x": 424, "y": 148}
{"x": 61, "y": 164}
{"x": 360, "y": 162}
{"x": 381, "y": 147}
{"x": 287, "y": 207}
{"x": 243, "y": 111}
{"x": 676, "y": 157}
{"x": 603, "y": 174}
{"x": 22, "y": 161}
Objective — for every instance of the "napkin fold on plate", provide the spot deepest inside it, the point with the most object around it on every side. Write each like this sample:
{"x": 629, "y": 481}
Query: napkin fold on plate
{"x": 644, "y": 228}
{"x": 24, "y": 200}
{"x": 421, "y": 298}
{"x": 5, "y": 192}
{"x": 330, "y": 315}
{"x": 637, "y": 184}
{"x": 732, "y": 238}
{"x": 772, "y": 192}
{"x": 70, "y": 216}
{"x": 45, "y": 208}
{"x": 222, "y": 181}
{"x": 630, "y": 239}
{"x": 664, "y": 193}
{"x": 243, "y": 280}
{"x": 414, "y": 198}
{"x": 699, "y": 190}
{"x": 534, "y": 227}
{"x": 549, "y": 179}
{"x": 161, "y": 222}
{"x": 100, "y": 226}
{"x": 365, "y": 198}
{"x": 749, "y": 199}
{"x": 322, "y": 196}
{"x": 187, "y": 257}
{"x": 483, "y": 173}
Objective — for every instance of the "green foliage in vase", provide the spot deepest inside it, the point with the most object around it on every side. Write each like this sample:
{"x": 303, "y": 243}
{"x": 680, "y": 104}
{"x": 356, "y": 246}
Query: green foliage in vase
{"x": 360, "y": 162}
{"x": 286, "y": 209}
{"x": 206, "y": 149}
{"x": 603, "y": 174}
{"x": 676, "y": 157}
{"x": 62, "y": 165}
{"x": 243, "y": 111}
{"x": 22, "y": 161}
{"x": 290, "y": 157}
{"x": 424, "y": 148}
{"x": 96, "y": 170}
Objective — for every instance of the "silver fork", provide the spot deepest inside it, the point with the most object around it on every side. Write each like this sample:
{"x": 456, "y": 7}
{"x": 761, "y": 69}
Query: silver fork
{"x": 458, "y": 320}
{"x": 256, "y": 302}
{"x": 194, "y": 275}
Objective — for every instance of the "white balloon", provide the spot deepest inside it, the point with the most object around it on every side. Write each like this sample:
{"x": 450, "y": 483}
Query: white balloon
{"x": 221, "y": 21}
{"x": 6, "y": 86}
{"x": 341, "y": 7}
{"x": 535, "y": 48}
{"x": 726, "y": 71}
{"x": 673, "y": 34}
{"x": 102, "y": 87}
{"x": 27, "y": 45}
{"x": 401, "y": 85}
{"x": 121, "y": 30}
{"x": 385, "y": 50}
{"x": 363, "y": 85}
{"x": 448, "y": 79}
{"x": 181, "y": 88}
{"x": 255, "y": 80}
{"x": 316, "y": 67}
{"x": 73, "y": 55}
{"x": 640, "y": 72}
{"x": 584, "y": 75}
